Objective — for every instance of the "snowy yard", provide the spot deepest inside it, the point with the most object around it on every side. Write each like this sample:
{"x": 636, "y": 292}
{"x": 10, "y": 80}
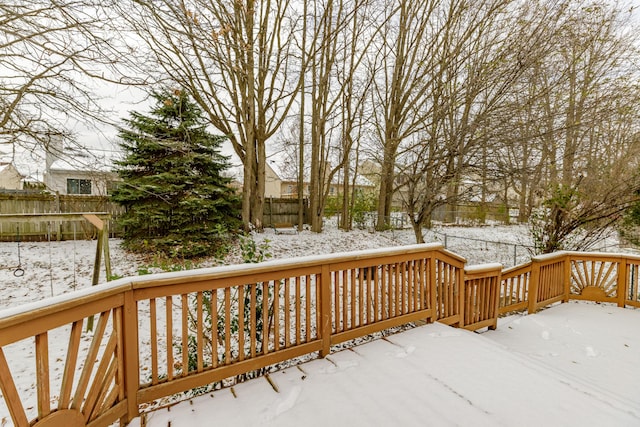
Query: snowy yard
{"x": 59, "y": 267}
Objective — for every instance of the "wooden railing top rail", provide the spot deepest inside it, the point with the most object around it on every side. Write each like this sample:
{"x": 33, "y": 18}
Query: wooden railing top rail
{"x": 19, "y": 314}
{"x": 584, "y": 255}
{"x": 516, "y": 269}
{"x": 551, "y": 258}
{"x": 603, "y": 255}
{"x": 482, "y": 268}
{"x": 229, "y": 271}
{"x": 452, "y": 257}
{"x": 37, "y": 309}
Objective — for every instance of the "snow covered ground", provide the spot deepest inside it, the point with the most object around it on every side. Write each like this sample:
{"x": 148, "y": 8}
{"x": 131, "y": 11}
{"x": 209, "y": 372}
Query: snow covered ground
{"x": 570, "y": 365}
{"x": 59, "y": 267}
{"x": 51, "y": 269}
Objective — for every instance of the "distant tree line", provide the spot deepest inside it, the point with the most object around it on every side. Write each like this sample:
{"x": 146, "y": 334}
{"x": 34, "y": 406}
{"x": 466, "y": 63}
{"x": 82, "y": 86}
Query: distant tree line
{"x": 534, "y": 102}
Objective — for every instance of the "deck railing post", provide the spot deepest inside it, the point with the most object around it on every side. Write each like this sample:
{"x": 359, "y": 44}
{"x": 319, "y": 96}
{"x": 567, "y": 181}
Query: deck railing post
{"x": 325, "y": 310}
{"x": 532, "y": 294}
{"x": 495, "y": 299}
{"x": 567, "y": 278}
{"x": 462, "y": 303}
{"x": 131, "y": 362}
{"x": 433, "y": 287}
{"x": 623, "y": 282}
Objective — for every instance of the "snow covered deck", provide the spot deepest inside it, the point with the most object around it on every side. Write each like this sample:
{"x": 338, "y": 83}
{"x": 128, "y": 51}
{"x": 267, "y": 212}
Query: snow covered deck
{"x": 572, "y": 364}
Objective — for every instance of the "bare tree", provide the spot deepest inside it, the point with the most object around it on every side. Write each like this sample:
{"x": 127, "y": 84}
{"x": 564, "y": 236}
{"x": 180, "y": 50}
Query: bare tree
{"x": 301, "y": 115}
{"x": 508, "y": 44}
{"x": 445, "y": 69}
{"x": 338, "y": 47}
{"x": 356, "y": 80}
{"x": 474, "y": 70}
{"x": 400, "y": 91}
{"x": 235, "y": 59}
{"x": 50, "y": 52}
{"x": 572, "y": 149}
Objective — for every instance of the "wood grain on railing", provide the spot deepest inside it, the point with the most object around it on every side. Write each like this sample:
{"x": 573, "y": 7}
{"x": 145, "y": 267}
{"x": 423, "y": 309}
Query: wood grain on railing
{"x": 548, "y": 277}
{"x": 228, "y": 327}
{"x": 91, "y": 389}
{"x": 381, "y": 294}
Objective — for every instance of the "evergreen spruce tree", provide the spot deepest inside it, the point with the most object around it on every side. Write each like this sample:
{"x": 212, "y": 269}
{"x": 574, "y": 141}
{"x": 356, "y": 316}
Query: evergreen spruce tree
{"x": 177, "y": 200}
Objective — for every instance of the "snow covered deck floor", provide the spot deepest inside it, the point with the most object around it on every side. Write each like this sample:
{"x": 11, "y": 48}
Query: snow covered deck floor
{"x": 573, "y": 364}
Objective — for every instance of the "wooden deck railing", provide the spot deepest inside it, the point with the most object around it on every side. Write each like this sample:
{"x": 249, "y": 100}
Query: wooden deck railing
{"x": 564, "y": 276}
{"x": 480, "y": 296}
{"x": 163, "y": 334}
{"x": 514, "y": 292}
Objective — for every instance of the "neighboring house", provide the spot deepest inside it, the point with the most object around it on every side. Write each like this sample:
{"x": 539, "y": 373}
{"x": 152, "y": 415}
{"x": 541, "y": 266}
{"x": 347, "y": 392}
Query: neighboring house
{"x": 71, "y": 171}
{"x": 272, "y": 183}
{"x": 288, "y": 186}
{"x": 279, "y": 184}
{"x": 10, "y": 177}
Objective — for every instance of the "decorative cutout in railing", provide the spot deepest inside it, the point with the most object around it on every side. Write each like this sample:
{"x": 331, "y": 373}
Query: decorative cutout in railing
{"x": 594, "y": 279}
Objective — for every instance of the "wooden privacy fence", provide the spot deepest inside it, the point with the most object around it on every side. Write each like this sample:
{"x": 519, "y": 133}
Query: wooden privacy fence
{"x": 46, "y": 203}
{"x": 283, "y": 211}
{"x": 276, "y": 211}
{"x": 163, "y": 334}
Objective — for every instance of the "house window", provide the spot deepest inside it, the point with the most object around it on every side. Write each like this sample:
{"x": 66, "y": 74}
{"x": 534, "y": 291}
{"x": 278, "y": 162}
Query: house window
{"x": 78, "y": 186}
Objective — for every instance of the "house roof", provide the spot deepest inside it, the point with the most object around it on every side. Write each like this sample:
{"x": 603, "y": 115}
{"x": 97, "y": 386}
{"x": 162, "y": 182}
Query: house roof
{"x": 80, "y": 161}
{"x": 287, "y": 174}
{"x": 8, "y": 166}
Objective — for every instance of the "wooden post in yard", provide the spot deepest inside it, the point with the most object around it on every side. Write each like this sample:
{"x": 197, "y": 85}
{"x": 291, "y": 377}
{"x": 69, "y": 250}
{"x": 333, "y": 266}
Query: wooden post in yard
{"x": 101, "y": 247}
{"x": 107, "y": 254}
